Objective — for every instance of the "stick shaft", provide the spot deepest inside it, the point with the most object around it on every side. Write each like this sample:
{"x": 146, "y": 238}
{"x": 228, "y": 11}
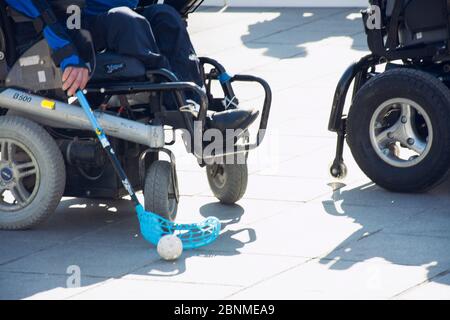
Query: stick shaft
{"x": 107, "y": 146}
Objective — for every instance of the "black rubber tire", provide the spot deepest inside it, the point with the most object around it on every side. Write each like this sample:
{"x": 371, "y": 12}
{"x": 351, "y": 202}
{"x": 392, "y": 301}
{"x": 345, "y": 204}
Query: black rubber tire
{"x": 434, "y": 97}
{"x": 51, "y": 167}
{"x": 235, "y": 182}
{"x": 158, "y": 186}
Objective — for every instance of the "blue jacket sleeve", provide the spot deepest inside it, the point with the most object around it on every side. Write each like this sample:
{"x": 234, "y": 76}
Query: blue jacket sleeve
{"x": 65, "y": 54}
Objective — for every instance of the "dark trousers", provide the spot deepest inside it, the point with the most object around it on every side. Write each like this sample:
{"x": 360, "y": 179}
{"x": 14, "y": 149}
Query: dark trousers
{"x": 157, "y": 36}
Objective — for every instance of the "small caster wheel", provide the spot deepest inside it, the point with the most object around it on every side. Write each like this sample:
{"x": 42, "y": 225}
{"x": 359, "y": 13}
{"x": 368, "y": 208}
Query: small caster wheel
{"x": 228, "y": 182}
{"x": 160, "y": 190}
{"x": 338, "y": 170}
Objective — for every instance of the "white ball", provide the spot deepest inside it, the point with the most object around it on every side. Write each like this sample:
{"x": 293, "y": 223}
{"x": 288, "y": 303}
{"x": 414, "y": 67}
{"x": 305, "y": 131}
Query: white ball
{"x": 170, "y": 247}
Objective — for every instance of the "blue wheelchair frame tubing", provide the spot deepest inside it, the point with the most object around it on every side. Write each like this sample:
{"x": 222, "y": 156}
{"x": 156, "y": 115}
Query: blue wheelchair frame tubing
{"x": 224, "y": 78}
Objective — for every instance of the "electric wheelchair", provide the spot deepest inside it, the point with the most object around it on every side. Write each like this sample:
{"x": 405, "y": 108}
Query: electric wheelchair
{"x": 398, "y": 124}
{"x": 47, "y": 149}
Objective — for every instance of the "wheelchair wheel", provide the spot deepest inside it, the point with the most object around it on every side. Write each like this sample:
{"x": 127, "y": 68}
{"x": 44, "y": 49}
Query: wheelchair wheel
{"x": 228, "y": 182}
{"x": 161, "y": 190}
{"x": 32, "y": 173}
{"x": 398, "y": 130}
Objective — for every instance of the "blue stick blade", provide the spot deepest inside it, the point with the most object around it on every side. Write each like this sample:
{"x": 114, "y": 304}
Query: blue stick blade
{"x": 194, "y": 235}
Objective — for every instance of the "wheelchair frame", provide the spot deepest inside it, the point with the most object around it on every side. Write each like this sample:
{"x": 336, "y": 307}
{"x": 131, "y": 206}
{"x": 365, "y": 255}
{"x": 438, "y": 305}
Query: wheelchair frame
{"x": 136, "y": 168}
{"x": 385, "y": 48}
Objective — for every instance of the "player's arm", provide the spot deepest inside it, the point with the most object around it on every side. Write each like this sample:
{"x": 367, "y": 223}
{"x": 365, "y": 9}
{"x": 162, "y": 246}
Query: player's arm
{"x": 64, "y": 53}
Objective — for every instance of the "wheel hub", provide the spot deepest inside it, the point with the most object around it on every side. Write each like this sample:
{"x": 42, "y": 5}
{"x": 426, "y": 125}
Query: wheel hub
{"x": 6, "y": 175}
{"x": 219, "y": 175}
{"x": 19, "y": 176}
{"x": 397, "y": 135}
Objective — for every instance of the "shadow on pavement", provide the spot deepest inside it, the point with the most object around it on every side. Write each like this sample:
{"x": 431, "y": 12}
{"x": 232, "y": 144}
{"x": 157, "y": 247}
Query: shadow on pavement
{"x": 103, "y": 239}
{"x": 418, "y": 238}
{"x": 225, "y": 245}
{"x": 280, "y": 38}
{"x": 229, "y": 215}
{"x": 37, "y": 260}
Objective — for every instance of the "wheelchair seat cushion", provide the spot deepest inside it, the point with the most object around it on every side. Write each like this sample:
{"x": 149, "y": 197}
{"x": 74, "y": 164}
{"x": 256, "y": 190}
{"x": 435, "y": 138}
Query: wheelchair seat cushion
{"x": 114, "y": 67}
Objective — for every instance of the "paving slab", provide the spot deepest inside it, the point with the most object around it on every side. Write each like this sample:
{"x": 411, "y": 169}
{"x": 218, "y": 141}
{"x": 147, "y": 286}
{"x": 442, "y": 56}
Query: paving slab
{"x": 407, "y": 250}
{"x": 278, "y": 188}
{"x": 244, "y": 59}
{"x": 337, "y": 25}
{"x": 310, "y": 230}
{"x": 245, "y": 212}
{"x": 72, "y": 218}
{"x": 429, "y": 223}
{"x": 313, "y": 280}
{"x": 93, "y": 259}
{"x": 225, "y": 268}
{"x": 302, "y": 102}
{"x": 122, "y": 289}
{"x": 16, "y": 248}
{"x": 365, "y": 192}
{"x": 316, "y": 164}
{"x": 437, "y": 289}
{"x": 36, "y": 286}
{"x": 192, "y": 183}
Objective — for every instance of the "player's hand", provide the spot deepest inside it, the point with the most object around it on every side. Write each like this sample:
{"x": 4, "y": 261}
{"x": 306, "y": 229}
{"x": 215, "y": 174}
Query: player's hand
{"x": 74, "y": 78}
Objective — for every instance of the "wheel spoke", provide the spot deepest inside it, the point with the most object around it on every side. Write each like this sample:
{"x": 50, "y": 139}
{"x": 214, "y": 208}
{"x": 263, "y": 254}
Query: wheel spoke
{"x": 3, "y": 144}
{"x": 418, "y": 146}
{"x": 383, "y": 138}
{"x": 409, "y": 135}
{"x": 24, "y": 166}
{"x": 408, "y": 128}
{"x": 27, "y": 173}
{"x": 26, "y": 169}
{"x": 10, "y": 150}
{"x": 17, "y": 199}
{"x": 7, "y": 150}
{"x": 389, "y": 135}
{"x": 20, "y": 194}
{"x": 407, "y": 112}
